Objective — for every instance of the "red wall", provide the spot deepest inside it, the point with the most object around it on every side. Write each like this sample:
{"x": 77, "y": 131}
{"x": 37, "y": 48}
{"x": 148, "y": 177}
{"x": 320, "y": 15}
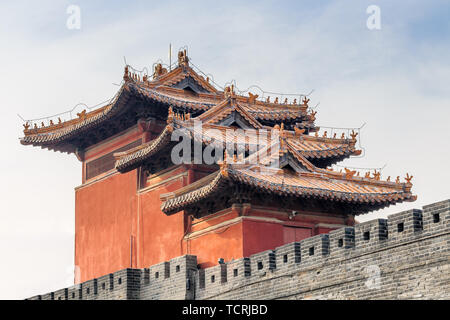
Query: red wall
{"x": 119, "y": 225}
{"x": 160, "y": 235}
{"x": 223, "y": 243}
{"x": 103, "y": 225}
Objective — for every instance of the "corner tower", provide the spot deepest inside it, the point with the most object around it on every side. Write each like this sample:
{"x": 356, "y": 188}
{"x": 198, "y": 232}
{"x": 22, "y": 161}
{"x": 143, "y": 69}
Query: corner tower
{"x": 268, "y": 184}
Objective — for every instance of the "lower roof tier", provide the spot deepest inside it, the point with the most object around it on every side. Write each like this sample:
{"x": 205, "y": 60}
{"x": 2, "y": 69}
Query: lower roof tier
{"x": 296, "y": 191}
{"x": 321, "y": 151}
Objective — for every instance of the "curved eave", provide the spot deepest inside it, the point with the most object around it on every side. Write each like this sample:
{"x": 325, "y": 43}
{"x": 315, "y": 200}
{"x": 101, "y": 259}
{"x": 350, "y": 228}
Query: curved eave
{"x": 51, "y": 139}
{"x": 324, "y": 151}
{"x": 60, "y": 138}
{"x": 377, "y": 200}
{"x": 325, "y": 158}
{"x": 134, "y": 157}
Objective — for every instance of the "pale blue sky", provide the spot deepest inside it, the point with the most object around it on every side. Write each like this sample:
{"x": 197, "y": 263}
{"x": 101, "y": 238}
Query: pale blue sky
{"x": 394, "y": 79}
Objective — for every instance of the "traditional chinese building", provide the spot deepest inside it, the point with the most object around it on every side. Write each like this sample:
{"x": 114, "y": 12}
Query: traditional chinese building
{"x": 136, "y": 207}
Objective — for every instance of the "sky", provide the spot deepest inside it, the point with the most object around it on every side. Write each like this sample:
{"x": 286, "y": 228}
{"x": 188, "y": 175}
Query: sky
{"x": 394, "y": 79}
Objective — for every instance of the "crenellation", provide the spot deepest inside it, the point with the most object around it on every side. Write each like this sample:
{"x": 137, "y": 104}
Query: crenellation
{"x": 201, "y": 282}
{"x": 262, "y": 263}
{"x": 104, "y": 287}
{"x": 341, "y": 240}
{"x": 238, "y": 270}
{"x": 111, "y": 281}
{"x": 406, "y": 263}
{"x": 371, "y": 234}
{"x": 182, "y": 263}
{"x": 215, "y": 277}
{"x": 145, "y": 276}
{"x": 181, "y": 283}
{"x": 172, "y": 279}
{"x": 48, "y": 296}
{"x": 117, "y": 291}
{"x": 436, "y": 216}
{"x": 73, "y": 292}
{"x": 160, "y": 271}
{"x": 60, "y": 294}
{"x": 314, "y": 249}
{"x": 132, "y": 283}
{"x": 288, "y": 256}
{"x": 404, "y": 225}
{"x": 89, "y": 290}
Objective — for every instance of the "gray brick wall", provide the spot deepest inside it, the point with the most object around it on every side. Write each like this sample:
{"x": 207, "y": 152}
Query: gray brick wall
{"x": 403, "y": 257}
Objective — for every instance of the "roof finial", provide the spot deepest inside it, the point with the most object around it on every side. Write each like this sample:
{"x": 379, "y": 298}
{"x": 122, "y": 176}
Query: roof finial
{"x": 252, "y": 98}
{"x": 224, "y": 164}
{"x": 349, "y": 173}
{"x": 82, "y": 115}
{"x": 170, "y": 115}
{"x": 229, "y": 91}
{"x": 159, "y": 70}
{"x": 305, "y": 101}
{"x": 376, "y": 175}
{"x": 183, "y": 59}
{"x": 125, "y": 74}
{"x": 299, "y": 132}
{"x": 408, "y": 178}
{"x": 282, "y": 131}
{"x": 353, "y": 135}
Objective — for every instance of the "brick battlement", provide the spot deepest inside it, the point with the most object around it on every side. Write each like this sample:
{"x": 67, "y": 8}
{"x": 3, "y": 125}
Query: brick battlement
{"x": 403, "y": 257}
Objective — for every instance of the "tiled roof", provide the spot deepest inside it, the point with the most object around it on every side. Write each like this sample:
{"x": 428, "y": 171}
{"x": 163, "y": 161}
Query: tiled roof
{"x": 159, "y": 91}
{"x": 308, "y": 146}
{"x": 317, "y": 148}
{"x": 223, "y": 110}
{"x": 315, "y": 183}
{"x": 178, "y": 74}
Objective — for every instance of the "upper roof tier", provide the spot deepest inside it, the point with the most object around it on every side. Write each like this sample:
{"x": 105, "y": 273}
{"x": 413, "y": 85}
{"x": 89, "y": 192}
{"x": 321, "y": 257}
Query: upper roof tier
{"x": 182, "y": 88}
{"x": 320, "y": 151}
